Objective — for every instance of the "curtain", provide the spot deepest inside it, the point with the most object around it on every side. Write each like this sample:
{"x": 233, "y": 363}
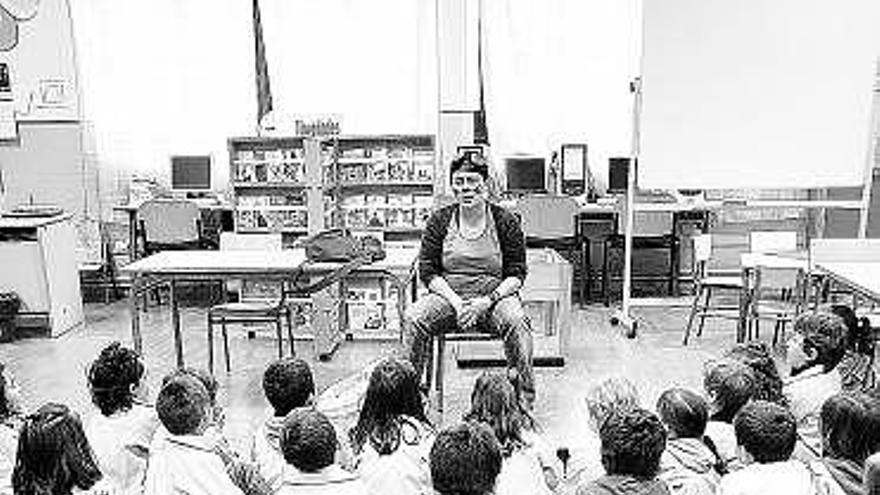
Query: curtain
{"x": 558, "y": 72}
{"x": 163, "y": 77}
{"x": 372, "y": 63}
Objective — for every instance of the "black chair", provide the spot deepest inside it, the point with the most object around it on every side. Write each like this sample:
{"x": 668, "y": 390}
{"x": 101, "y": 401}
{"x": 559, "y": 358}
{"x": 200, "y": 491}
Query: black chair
{"x": 652, "y": 230}
{"x": 593, "y": 228}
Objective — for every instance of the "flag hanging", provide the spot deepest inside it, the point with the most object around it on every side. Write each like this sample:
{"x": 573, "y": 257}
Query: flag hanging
{"x": 264, "y": 91}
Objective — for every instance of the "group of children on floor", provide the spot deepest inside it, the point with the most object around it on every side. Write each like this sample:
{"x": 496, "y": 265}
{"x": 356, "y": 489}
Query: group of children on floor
{"x": 751, "y": 432}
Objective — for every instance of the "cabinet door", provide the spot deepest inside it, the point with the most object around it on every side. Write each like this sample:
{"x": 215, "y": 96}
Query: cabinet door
{"x": 21, "y": 263}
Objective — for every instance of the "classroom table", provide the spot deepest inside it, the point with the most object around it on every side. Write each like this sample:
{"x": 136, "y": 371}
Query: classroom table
{"x": 861, "y": 277}
{"x": 173, "y": 267}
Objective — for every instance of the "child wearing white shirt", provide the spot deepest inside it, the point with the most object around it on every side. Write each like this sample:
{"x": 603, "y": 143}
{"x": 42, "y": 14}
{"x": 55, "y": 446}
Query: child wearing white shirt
{"x": 288, "y": 385}
{"x": 121, "y": 434}
{"x": 525, "y": 469}
{"x": 308, "y": 442}
{"x": 392, "y": 438}
{"x": 766, "y": 434}
{"x": 188, "y": 460}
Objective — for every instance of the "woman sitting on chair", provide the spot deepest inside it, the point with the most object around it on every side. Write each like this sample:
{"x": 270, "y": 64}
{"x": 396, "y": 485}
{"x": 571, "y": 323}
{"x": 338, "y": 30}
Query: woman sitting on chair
{"x": 473, "y": 261}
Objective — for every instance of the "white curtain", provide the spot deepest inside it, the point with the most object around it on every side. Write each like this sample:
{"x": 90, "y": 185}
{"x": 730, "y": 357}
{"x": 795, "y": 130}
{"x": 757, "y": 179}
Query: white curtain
{"x": 558, "y": 72}
{"x": 164, "y": 77}
{"x": 373, "y": 63}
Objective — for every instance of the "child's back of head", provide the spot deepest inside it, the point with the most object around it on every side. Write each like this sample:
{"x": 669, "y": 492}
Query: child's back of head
{"x": 183, "y": 404}
{"x": 766, "y": 431}
{"x": 53, "y": 453}
{"x": 632, "y": 442}
{"x": 113, "y": 377}
{"x": 850, "y": 426}
{"x": 494, "y": 401}
{"x": 729, "y": 384}
{"x": 612, "y": 393}
{"x": 683, "y": 412}
{"x": 822, "y": 338}
{"x": 308, "y": 440}
{"x": 465, "y": 459}
{"x": 288, "y": 384}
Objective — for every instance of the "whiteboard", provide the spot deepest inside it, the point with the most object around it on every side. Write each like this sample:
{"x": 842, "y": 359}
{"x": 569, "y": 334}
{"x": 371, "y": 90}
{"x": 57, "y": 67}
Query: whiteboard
{"x": 756, "y": 93}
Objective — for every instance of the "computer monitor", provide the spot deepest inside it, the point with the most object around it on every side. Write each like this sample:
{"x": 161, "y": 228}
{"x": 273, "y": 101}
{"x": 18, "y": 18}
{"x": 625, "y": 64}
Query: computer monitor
{"x": 191, "y": 173}
{"x": 526, "y": 174}
{"x": 575, "y": 171}
{"x": 618, "y": 172}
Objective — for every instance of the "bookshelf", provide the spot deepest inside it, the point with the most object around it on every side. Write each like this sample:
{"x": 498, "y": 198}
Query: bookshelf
{"x": 379, "y": 186}
{"x": 276, "y": 185}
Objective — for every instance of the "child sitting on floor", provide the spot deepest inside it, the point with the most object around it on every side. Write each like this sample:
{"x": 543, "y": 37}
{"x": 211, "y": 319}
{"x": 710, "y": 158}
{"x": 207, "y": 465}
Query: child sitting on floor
{"x": 729, "y": 385}
{"x": 850, "y": 427}
{"x": 187, "y": 460}
{"x": 689, "y": 465}
{"x": 10, "y": 421}
{"x": 121, "y": 434}
{"x": 308, "y": 442}
{"x": 288, "y": 385}
{"x": 392, "y": 437}
{"x": 525, "y": 469}
{"x": 814, "y": 351}
{"x": 465, "y": 459}
{"x": 766, "y": 433}
{"x": 53, "y": 454}
{"x": 633, "y": 441}
{"x": 857, "y": 365}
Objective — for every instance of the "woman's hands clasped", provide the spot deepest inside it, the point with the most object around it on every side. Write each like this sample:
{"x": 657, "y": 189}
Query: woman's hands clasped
{"x": 471, "y": 310}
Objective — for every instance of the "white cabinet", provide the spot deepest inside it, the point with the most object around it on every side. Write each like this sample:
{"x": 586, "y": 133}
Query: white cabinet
{"x": 38, "y": 262}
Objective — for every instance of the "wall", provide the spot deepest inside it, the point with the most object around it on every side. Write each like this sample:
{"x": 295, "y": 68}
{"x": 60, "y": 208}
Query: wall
{"x": 43, "y": 60}
{"x": 44, "y": 164}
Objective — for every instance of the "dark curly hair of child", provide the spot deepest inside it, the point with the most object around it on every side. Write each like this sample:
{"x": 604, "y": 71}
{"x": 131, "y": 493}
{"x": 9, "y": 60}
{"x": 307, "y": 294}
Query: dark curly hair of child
{"x": 113, "y": 378}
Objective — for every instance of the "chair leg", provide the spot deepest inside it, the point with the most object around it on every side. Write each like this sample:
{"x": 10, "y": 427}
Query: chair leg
{"x": 210, "y": 344}
{"x": 605, "y": 275}
{"x": 703, "y": 311}
{"x": 673, "y": 267}
{"x": 288, "y": 312}
{"x": 441, "y": 344}
{"x": 694, "y": 306}
{"x": 278, "y": 336}
{"x": 429, "y": 366}
{"x": 225, "y": 343}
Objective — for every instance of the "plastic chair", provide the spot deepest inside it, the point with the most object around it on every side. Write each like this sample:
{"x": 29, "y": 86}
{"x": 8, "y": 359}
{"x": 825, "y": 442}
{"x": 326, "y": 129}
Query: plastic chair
{"x": 257, "y": 311}
{"x": 171, "y": 224}
{"x": 776, "y": 293}
{"x": 548, "y": 221}
{"x": 706, "y": 283}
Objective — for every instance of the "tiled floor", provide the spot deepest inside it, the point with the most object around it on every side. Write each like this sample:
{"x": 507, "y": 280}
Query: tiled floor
{"x": 54, "y": 369}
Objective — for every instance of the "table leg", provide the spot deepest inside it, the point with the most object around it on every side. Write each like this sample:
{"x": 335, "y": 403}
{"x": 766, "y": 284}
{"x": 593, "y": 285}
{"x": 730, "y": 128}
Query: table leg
{"x": 400, "y": 286}
{"x": 134, "y": 313}
{"x": 587, "y": 272}
{"x": 132, "y": 235}
{"x": 744, "y": 307}
{"x": 175, "y": 323}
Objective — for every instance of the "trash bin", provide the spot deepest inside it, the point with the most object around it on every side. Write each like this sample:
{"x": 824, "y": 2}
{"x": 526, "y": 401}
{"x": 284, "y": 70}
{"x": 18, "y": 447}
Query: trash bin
{"x": 9, "y": 305}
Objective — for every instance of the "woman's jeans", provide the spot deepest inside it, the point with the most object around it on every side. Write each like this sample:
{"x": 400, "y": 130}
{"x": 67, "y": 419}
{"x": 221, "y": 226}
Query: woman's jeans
{"x": 432, "y": 315}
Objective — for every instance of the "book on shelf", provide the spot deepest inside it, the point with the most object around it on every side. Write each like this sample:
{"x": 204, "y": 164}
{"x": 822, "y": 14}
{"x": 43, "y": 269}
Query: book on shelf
{"x": 377, "y": 171}
{"x": 400, "y": 171}
{"x": 423, "y": 171}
